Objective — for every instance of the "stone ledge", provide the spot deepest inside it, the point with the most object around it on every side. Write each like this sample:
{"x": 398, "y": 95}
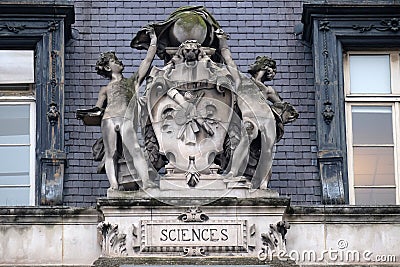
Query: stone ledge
{"x": 202, "y": 261}
{"x": 46, "y": 265}
{"x": 47, "y": 215}
{"x": 343, "y": 214}
{"x": 178, "y": 201}
{"x": 344, "y": 209}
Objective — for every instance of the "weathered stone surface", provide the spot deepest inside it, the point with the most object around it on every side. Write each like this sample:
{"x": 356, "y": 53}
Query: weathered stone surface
{"x": 356, "y": 234}
{"x": 48, "y": 236}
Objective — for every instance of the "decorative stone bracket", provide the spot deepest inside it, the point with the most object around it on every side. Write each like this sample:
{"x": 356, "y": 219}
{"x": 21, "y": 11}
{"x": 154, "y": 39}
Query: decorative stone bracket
{"x": 192, "y": 252}
{"x": 274, "y": 239}
{"x": 113, "y": 243}
{"x": 193, "y": 214}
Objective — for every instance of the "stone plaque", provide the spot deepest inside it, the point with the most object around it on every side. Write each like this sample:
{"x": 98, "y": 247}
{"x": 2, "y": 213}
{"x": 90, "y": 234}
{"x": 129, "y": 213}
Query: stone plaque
{"x": 167, "y": 236}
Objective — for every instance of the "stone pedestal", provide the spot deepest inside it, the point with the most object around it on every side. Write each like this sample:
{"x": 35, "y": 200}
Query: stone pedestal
{"x": 188, "y": 223}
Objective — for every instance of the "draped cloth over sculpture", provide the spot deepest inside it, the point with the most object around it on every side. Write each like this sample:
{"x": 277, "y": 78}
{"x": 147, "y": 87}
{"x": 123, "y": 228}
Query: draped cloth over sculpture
{"x": 201, "y": 24}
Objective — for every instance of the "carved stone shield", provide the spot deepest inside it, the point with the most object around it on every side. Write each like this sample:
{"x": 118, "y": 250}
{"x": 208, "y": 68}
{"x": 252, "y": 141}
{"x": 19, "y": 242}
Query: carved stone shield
{"x": 190, "y": 119}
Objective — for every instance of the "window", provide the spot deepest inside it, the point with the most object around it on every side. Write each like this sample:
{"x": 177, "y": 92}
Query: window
{"x": 17, "y": 131}
{"x": 32, "y": 42}
{"x": 372, "y": 96}
{"x": 365, "y": 85}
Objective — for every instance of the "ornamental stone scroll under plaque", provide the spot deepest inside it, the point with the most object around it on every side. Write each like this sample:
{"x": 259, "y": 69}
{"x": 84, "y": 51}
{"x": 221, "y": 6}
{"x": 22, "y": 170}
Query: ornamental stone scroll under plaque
{"x": 172, "y": 236}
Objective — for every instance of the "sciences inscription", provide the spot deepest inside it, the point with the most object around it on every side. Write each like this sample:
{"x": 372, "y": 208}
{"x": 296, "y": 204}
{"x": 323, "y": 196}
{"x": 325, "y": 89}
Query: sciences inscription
{"x": 176, "y": 235}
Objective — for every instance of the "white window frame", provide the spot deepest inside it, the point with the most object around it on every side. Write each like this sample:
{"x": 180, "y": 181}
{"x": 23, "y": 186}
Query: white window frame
{"x": 392, "y": 99}
{"x": 24, "y": 97}
{"x": 29, "y": 100}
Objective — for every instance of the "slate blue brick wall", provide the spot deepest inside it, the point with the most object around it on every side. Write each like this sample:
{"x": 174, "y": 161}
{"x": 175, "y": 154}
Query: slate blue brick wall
{"x": 256, "y": 28}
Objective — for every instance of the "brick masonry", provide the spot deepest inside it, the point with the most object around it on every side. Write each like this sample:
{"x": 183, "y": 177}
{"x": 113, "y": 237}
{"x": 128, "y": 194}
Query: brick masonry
{"x": 256, "y": 28}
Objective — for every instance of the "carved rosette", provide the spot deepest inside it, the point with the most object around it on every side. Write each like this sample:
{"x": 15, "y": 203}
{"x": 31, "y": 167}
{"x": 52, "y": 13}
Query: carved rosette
{"x": 113, "y": 243}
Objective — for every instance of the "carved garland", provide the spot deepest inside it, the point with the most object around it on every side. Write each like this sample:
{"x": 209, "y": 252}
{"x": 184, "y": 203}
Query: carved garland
{"x": 386, "y": 25}
{"x": 53, "y": 114}
{"x": 328, "y": 113}
{"x": 52, "y": 26}
{"x": 13, "y": 29}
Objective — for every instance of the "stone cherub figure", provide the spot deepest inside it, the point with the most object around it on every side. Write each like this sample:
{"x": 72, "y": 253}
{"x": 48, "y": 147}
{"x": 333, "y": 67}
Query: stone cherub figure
{"x": 263, "y": 70}
{"x": 256, "y": 120}
{"x": 120, "y": 118}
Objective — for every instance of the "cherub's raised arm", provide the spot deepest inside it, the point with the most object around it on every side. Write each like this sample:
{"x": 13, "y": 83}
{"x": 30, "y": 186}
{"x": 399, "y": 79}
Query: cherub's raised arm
{"x": 146, "y": 63}
{"x": 227, "y": 56}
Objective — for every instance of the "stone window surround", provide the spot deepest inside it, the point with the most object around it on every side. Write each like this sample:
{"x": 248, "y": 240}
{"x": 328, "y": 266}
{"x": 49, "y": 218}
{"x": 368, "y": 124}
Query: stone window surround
{"x": 334, "y": 27}
{"x": 43, "y": 27}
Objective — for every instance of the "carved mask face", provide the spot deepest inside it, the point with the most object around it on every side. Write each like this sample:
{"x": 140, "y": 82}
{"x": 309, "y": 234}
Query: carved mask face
{"x": 190, "y": 52}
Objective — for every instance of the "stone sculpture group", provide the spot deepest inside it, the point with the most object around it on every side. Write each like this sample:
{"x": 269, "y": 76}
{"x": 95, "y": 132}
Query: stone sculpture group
{"x": 200, "y": 117}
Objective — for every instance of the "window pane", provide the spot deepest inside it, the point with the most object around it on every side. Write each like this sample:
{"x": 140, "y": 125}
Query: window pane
{"x": 372, "y": 125}
{"x": 14, "y": 121}
{"x": 373, "y": 166}
{"x": 375, "y": 196}
{"x": 16, "y": 66}
{"x": 14, "y": 159}
{"x": 20, "y": 178}
{"x": 14, "y": 196}
{"x": 370, "y": 74}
